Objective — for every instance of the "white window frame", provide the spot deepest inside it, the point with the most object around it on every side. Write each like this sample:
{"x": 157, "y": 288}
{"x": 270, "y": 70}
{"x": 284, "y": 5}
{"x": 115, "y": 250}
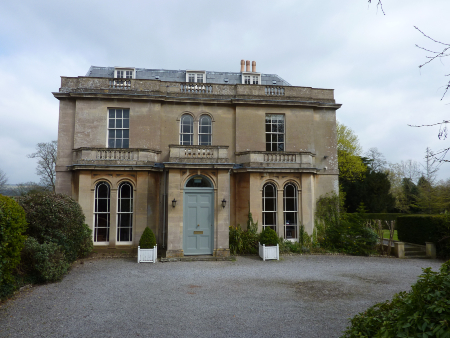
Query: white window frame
{"x": 120, "y": 128}
{"x": 276, "y": 133}
{"x": 199, "y": 130}
{"x": 97, "y": 214}
{"x": 251, "y": 78}
{"x": 196, "y": 74}
{"x": 295, "y": 212}
{"x": 181, "y": 142}
{"x": 124, "y": 75}
{"x": 119, "y": 213}
{"x": 275, "y": 203}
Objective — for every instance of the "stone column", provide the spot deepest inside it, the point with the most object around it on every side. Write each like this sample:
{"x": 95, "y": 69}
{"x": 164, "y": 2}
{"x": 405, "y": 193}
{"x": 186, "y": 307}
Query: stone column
{"x": 430, "y": 249}
{"x": 308, "y": 201}
{"x": 113, "y": 218}
{"x": 174, "y": 215}
{"x": 280, "y": 214}
{"x": 221, "y": 231}
{"x": 399, "y": 249}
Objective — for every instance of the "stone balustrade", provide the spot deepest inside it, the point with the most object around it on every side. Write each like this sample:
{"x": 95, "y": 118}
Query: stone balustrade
{"x": 157, "y": 87}
{"x": 115, "y": 156}
{"x": 275, "y": 159}
{"x": 198, "y": 154}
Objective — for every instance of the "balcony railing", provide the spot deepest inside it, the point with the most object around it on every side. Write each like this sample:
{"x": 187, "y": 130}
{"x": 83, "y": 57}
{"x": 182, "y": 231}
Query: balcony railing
{"x": 107, "y": 156}
{"x": 144, "y": 86}
{"x": 276, "y": 159}
{"x": 196, "y": 88}
{"x": 200, "y": 154}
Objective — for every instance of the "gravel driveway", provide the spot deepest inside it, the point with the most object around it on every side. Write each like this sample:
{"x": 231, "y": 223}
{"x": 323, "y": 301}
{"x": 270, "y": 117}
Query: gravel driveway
{"x": 298, "y": 296}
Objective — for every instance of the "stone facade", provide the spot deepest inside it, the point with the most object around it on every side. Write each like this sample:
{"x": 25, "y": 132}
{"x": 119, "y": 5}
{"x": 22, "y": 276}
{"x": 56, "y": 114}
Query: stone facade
{"x": 157, "y": 168}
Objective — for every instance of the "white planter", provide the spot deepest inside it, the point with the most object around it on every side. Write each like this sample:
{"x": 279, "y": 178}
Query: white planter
{"x": 147, "y": 255}
{"x": 269, "y": 252}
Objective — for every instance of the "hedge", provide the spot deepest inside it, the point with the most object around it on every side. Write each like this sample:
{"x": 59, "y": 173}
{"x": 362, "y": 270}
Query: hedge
{"x": 419, "y": 229}
{"x": 12, "y": 227}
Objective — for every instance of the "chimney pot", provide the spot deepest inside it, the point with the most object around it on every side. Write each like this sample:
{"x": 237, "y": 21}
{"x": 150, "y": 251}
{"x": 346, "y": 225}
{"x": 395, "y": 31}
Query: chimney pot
{"x": 248, "y": 66}
{"x": 254, "y": 66}
{"x": 242, "y": 65}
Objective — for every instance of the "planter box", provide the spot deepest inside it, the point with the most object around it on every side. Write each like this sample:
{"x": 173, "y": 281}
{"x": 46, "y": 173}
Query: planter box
{"x": 269, "y": 252}
{"x": 147, "y": 255}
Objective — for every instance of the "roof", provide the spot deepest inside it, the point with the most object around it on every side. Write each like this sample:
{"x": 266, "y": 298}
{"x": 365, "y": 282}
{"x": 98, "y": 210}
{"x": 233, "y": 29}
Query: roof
{"x": 180, "y": 76}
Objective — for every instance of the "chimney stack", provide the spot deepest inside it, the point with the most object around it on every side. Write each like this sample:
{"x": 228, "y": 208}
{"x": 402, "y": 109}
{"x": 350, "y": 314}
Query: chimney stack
{"x": 247, "y": 66}
{"x": 242, "y": 65}
{"x": 254, "y": 66}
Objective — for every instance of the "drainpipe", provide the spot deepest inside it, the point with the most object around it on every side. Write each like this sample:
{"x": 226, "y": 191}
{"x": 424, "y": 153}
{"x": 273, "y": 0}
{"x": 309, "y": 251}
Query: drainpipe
{"x": 164, "y": 208}
{"x": 229, "y": 197}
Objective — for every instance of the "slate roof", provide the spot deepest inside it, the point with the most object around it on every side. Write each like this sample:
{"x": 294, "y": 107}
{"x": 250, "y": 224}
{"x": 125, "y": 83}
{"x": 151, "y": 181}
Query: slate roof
{"x": 180, "y": 76}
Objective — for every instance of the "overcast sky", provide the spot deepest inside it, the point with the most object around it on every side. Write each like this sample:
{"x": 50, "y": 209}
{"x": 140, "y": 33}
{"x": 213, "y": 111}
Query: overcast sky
{"x": 370, "y": 59}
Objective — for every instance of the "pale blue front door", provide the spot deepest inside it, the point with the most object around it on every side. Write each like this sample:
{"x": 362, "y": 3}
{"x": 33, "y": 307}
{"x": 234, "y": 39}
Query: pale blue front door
{"x": 198, "y": 221}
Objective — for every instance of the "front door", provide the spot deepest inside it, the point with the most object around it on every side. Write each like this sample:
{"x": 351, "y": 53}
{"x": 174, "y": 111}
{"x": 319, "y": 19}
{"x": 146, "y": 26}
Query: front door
{"x": 198, "y": 224}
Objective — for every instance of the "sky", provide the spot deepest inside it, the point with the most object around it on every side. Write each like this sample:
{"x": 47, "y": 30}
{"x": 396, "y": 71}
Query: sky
{"x": 369, "y": 59}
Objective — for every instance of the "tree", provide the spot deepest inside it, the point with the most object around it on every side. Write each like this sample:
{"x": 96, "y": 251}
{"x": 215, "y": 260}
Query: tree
{"x": 350, "y": 164}
{"x": 3, "y": 180}
{"x": 46, "y": 153}
{"x": 376, "y": 160}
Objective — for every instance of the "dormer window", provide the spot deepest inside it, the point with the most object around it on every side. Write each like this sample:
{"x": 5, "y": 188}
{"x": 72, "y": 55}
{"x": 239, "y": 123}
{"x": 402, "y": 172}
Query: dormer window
{"x": 251, "y": 78}
{"x": 124, "y": 73}
{"x": 195, "y": 76}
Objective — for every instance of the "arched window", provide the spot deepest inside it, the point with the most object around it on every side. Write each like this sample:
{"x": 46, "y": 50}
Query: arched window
{"x": 290, "y": 211}
{"x": 204, "y": 131}
{"x": 186, "y": 130}
{"x": 125, "y": 213}
{"x": 101, "y": 212}
{"x": 198, "y": 182}
{"x": 269, "y": 202}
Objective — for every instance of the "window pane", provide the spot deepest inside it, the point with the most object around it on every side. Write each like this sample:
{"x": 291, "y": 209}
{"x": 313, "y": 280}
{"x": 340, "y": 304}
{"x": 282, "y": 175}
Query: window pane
{"x": 125, "y": 143}
{"x": 112, "y": 113}
{"x": 118, "y": 143}
{"x": 118, "y": 133}
{"x": 118, "y": 123}
{"x": 126, "y": 133}
{"x": 126, "y": 123}
{"x": 280, "y": 147}
{"x": 118, "y": 113}
{"x": 126, "y": 113}
{"x": 111, "y": 143}
{"x": 112, "y": 123}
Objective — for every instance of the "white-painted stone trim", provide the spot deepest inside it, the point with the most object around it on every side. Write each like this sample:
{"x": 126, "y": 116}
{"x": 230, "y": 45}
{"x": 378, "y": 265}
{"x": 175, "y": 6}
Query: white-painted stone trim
{"x": 269, "y": 252}
{"x": 148, "y": 255}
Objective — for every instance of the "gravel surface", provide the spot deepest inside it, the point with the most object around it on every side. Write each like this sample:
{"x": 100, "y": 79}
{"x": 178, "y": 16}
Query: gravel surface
{"x": 298, "y": 296}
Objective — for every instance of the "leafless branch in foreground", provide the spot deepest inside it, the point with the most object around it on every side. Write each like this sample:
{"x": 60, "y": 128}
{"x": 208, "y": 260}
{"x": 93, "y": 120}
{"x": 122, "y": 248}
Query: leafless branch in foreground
{"x": 435, "y": 55}
{"x": 379, "y": 4}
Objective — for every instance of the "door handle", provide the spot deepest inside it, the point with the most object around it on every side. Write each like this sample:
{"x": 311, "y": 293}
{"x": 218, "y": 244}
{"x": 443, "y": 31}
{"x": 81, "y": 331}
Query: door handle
{"x": 198, "y": 225}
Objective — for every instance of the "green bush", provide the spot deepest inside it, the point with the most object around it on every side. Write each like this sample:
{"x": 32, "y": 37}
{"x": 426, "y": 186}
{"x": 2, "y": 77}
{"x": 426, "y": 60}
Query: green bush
{"x": 148, "y": 240}
{"x": 422, "y": 312}
{"x": 243, "y": 242}
{"x": 340, "y": 231}
{"x": 43, "y": 262}
{"x": 57, "y": 218}
{"x": 12, "y": 226}
{"x": 268, "y": 237}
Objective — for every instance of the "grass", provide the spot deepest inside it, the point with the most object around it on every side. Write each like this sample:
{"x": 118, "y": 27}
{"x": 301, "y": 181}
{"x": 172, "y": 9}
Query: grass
{"x": 386, "y": 235}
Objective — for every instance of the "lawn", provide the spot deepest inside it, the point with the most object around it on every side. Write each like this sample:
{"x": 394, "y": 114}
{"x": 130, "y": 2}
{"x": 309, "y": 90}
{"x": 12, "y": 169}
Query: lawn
{"x": 386, "y": 235}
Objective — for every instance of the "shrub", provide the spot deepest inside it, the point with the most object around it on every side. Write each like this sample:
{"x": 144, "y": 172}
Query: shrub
{"x": 242, "y": 242}
{"x": 148, "y": 240}
{"x": 357, "y": 239}
{"x": 43, "y": 262}
{"x": 12, "y": 226}
{"x": 57, "y": 218}
{"x": 268, "y": 237}
{"x": 422, "y": 312}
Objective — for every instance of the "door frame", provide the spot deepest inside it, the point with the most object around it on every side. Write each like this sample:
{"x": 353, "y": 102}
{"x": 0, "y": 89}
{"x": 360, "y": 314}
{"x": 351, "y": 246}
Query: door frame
{"x": 199, "y": 191}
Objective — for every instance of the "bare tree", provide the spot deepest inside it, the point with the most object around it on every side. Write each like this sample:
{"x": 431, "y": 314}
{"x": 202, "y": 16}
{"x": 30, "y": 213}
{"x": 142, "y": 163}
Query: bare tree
{"x": 3, "y": 180}
{"x": 379, "y": 4}
{"x": 377, "y": 161}
{"x": 46, "y": 153}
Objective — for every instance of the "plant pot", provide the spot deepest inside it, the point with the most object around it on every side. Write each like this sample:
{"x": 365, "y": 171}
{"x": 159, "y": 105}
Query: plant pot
{"x": 147, "y": 255}
{"x": 269, "y": 252}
